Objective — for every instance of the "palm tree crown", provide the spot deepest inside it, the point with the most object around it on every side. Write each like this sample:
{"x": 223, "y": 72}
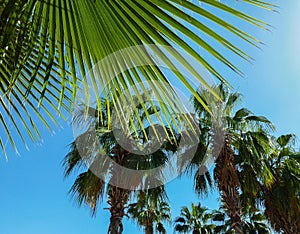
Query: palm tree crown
{"x": 89, "y": 187}
{"x": 151, "y": 210}
{"x": 195, "y": 220}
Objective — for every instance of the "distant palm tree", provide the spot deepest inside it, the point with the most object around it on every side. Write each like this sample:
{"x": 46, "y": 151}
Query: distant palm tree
{"x": 240, "y": 161}
{"x": 151, "y": 210}
{"x": 89, "y": 188}
{"x": 221, "y": 221}
{"x": 254, "y": 223}
{"x": 282, "y": 200}
{"x": 195, "y": 221}
{"x": 47, "y": 46}
{"x": 257, "y": 224}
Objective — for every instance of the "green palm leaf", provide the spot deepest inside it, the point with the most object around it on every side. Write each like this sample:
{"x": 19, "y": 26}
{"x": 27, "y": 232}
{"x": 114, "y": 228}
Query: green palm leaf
{"x": 48, "y": 46}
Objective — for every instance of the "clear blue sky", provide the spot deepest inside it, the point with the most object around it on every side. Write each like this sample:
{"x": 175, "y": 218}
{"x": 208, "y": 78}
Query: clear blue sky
{"x": 33, "y": 194}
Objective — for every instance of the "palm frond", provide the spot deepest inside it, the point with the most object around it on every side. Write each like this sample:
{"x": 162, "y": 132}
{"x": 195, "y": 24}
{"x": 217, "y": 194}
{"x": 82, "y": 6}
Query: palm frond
{"x": 48, "y": 46}
{"x": 88, "y": 189}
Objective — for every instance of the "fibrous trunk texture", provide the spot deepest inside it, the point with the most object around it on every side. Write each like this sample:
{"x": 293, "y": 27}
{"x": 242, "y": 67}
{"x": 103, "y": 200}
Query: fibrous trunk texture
{"x": 228, "y": 184}
{"x": 117, "y": 199}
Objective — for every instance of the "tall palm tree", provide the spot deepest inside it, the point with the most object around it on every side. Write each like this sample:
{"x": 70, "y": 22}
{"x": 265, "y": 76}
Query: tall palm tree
{"x": 197, "y": 220}
{"x": 281, "y": 200}
{"x": 89, "y": 187}
{"x": 151, "y": 210}
{"x": 47, "y": 47}
{"x": 240, "y": 161}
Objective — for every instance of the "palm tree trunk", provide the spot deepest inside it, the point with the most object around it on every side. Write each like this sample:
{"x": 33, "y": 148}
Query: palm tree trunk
{"x": 282, "y": 220}
{"x": 149, "y": 224}
{"x": 228, "y": 184}
{"x": 149, "y": 229}
{"x": 115, "y": 226}
{"x": 117, "y": 199}
{"x": 291, "y": 225}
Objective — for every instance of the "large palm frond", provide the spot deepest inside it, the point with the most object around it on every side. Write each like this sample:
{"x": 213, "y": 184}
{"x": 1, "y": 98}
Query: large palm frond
{"x": 41, "y": 41}
{"x": 29, "y": 69}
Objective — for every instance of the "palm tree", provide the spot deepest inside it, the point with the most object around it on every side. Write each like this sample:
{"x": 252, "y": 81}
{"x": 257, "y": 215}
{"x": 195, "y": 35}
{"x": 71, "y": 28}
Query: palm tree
{"x": 254, "y": 222}
{"x": 47, "y": 47}
{"x": 281, "y": 200}
{"x": 221, "y": 221}
{"x": 90, "y": 189}
{"x": 89, "y": 186}
{"x": 257, "y": 224}
{"x": 197, "y": 220}
{"x": 151, "y": 210}
{"x": 240, "y": 162}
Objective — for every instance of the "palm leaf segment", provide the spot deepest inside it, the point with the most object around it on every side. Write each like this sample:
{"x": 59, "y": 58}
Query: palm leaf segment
{"x": 43, "y": 40}
{"x": 28, "y": 70}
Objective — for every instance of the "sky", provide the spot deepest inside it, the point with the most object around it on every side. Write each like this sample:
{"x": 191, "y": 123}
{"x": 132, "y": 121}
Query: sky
{"x": 34, "y": 196}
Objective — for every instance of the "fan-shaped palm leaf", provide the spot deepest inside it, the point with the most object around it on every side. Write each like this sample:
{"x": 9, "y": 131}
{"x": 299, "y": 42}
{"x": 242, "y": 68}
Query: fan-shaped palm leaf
{"x": 47, "y": 47}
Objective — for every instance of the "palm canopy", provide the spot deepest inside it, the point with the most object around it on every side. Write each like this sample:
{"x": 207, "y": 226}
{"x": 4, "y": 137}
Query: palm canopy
{"x": 249, "y": 138}
{"x": 281, "y": 199}
{"x": 98, "y": 154}
{"x": 196, "y": 220}
{"x": 99, "y": 161}
{"x": 47, "y": 47}
{"x": 151, "y": 210}
{"x": 255, "y": 222}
